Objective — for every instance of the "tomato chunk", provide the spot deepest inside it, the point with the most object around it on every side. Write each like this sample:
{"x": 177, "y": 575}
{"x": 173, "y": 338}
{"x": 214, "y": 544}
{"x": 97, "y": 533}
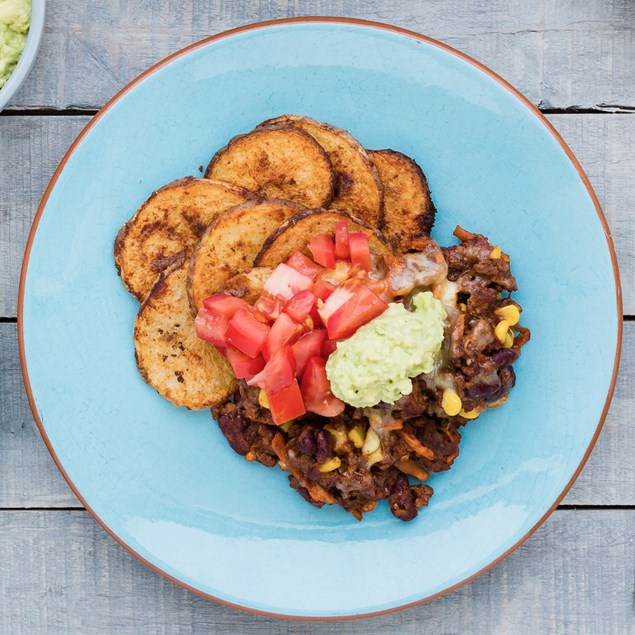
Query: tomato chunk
{"x": 323, "y": 250}
{"x": 284, "y": 282}
{"x": 342, "y": 250}
{"x": 360, "y": 250}
{"x": 211, "y": 328}
{"x": 246, "y": 333}
{"x": 309, "y": 345}
{"x": 283, "y": 331}
{"x": 223, "y": 304}
{"x": 328, "y": 348}
{"x": 362, "y": 307}
{"x": 278, "y": 372}
{"x": 286, "y": 404}
{"x": 244, "y": 367}
{"x": 340, "y": 296}
{"x": 268, "y": 306}
{"x": 316, "y": 390}
{"x": 323, "y": 289}
{"x": 304, "y": 265}
{"x": 300, "y": 305}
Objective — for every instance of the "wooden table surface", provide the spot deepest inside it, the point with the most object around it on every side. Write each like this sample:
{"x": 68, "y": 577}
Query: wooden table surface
{"x": 60, "y": 573}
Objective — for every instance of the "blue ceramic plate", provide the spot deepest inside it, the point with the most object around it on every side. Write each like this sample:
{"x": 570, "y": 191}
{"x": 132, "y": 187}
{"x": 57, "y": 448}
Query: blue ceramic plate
{"x": 162, "y": 480}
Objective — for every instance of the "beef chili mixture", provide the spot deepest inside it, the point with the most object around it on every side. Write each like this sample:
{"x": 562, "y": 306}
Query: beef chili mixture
{"x": 357, "y": 456}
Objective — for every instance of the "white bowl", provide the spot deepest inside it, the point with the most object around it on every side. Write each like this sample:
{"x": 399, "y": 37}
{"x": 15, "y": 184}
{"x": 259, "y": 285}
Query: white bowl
{"x": 38, "y": 13}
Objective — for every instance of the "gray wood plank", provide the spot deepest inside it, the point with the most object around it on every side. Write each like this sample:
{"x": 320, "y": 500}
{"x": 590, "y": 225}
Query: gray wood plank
{"x": 560, "y": 53}
{"x": 61, "y": 573}
{"x": 34, "y": 146}
{"x": 29, "y": 478}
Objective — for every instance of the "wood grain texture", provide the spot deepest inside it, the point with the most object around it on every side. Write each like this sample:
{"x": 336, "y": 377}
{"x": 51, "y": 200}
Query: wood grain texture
{"x": 29, "y": 478}
{"x": 60, "y": 573}
{"x": 560, "y": 53}
{"x": 35, "y": 145}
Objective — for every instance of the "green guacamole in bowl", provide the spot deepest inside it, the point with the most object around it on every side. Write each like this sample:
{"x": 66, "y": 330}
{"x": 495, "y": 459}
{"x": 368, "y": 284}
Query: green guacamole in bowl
{"x": 15, "y": 19}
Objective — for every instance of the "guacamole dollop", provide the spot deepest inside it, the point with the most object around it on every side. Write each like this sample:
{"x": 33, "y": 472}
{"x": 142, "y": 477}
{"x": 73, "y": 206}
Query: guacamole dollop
{"x": 15, "y": 18}
{"x": 377, "y": 362}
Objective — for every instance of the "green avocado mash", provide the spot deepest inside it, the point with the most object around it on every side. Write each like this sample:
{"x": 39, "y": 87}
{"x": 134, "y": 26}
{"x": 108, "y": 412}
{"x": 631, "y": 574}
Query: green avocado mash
{"x": 15, "y": 18}
{"x": 376, "y": 363}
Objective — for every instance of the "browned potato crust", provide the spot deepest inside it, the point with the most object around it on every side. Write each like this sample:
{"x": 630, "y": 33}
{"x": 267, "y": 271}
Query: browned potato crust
{"x": 297, "y": 232}
{"x": 247, "y": 285}
{"x": 170, "y": 357}
{"x": 167, "y": 227}
{"x": 408, "y": 208}
{"x": 358, "y": 188}
{"x": 277, "y": 162}
{"x": 231, "y": 243}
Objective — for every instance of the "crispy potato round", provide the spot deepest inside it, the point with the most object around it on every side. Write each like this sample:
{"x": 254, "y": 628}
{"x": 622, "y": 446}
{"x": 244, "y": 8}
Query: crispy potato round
{"x": 408, "y": 208}
{"x": 277, "y": 162}
{"x": 170, "y": 357}
{"x": 358, "y": 188}
{"x": 231, "y": 243}
{"x": 295, "y": 234}
{"x": 167, "y": 227}
{"x": 247, "y": 285}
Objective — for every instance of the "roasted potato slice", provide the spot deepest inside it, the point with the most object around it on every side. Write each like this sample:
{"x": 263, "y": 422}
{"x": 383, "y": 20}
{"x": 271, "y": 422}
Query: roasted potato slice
{"x": 170, "y": 357}
{"x": 408, "y": 208}
{"x": 358, "y": 188}
{"x": 277, "y": 162}
{"x": 247, "y": 285}
{"x": 231, "y": 243}
{"x": 295, "y": 234}
{"x": 167, "y": 227}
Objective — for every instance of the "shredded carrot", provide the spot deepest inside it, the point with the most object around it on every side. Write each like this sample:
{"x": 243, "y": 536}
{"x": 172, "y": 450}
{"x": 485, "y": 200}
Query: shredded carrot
{"x": 408, "y": 466}
{"x": 463, "y": 234}
{"x": 395, "y": 424}
{"x": 318, "y": 493}
{"x": 357, "y": 513}
{"x": 280, "y": 448}
{"x": 416, "y": 446}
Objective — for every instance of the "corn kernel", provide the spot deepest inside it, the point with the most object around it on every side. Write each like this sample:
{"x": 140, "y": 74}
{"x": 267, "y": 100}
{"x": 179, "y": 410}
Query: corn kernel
{"x": 451, "y": 402}
{"x": 470, "y": 414}
{"x": 371, "y": 443}
{"x": 495, "y": 254}
{"x": 375, "y": 457}
{"x": 498, "y": 403}
{"x": 263, "y": 400}
{"x": 356, "y": 435}
{"x": 339, "y": 436}
{"x": 332, "y": 464}
{"x": 501, "y": 330}
{"x": 463, "y": 306}
{"x": 509, "y": 340}
{"x": 510, "y": 313}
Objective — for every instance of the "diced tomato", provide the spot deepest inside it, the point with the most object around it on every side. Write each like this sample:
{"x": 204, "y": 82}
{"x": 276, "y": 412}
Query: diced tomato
{"x": 283, "y": 331}
{"x": 328, "y": 348}
{"x": 278, "y": 372}
{"x": 244, "y": 367}
{"x": 211, "y": 328}
{"x": 360, "y": 251}
{"x": 286, "y": 404}
{"x": 268, "y": 306}
{"x": 340, "y": 296}
{"x": 316, "y": 390}
{"x": 342, "y": 251}
{"x": 323, "y": 289}
{"x": 323, "y": 250}
{"x": 223, "y": 304}
{"x": 309, "y": 345}
{"x": 284, "y": 282}
{"x": 362, "y": 307}
{"x": 246, "y": 333}
{"x": 300, "y": 305}
{"x": 304, "y": 265}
